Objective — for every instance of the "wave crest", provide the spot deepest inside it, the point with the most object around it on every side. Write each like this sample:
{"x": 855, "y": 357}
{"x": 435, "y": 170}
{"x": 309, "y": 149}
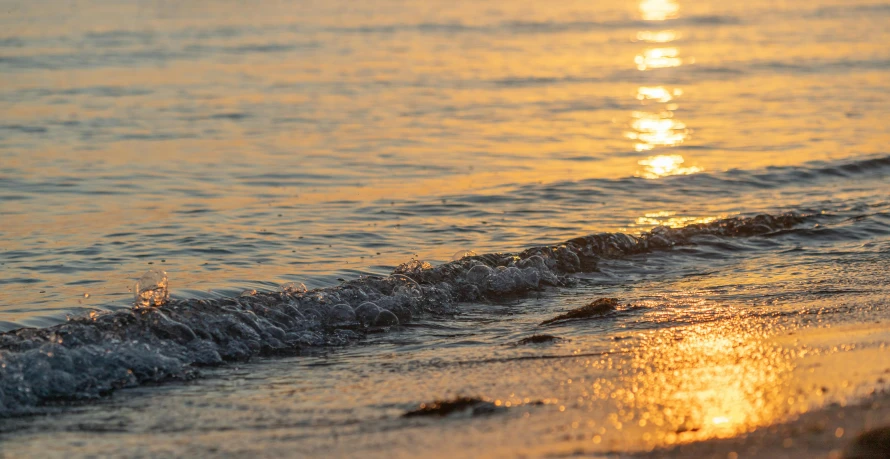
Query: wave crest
{"x": 94, "y": 355}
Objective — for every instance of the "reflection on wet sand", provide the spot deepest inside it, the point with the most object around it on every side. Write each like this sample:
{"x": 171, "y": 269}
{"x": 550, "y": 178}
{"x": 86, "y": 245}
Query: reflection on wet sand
{"x": 706, "y": 380}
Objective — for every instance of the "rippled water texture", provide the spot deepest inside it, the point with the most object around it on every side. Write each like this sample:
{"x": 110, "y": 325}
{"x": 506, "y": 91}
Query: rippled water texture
{"x": 395, "y": 153}
{"x": 243, "y": 145}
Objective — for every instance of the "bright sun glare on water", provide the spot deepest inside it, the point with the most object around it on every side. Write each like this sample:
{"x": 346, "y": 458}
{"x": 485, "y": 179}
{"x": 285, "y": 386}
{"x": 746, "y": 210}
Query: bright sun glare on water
{"x": 654, "y": 125}
{"x": 658, "y": 58}
{"x": 657, "y": 130}
{"x": 662, "y": 36}
{"x": 659, "y": 10}
{"x": 665, "y": 165}
{"x": 657, "y": 93}
{"x": 670, "y": 219}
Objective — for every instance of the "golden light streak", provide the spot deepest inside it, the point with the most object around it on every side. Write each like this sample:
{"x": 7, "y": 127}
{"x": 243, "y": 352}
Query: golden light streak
{"x": 659, "y": 10}
{"x": 710, "y": 380}
{"x": 670, "y": 219}
{"x": 663, "y": 36}
{"x": 657, "y": 93}
{"x": 656, "y": 130}
{"x": 665, "y": 165}
{"x": 658, "y": 58}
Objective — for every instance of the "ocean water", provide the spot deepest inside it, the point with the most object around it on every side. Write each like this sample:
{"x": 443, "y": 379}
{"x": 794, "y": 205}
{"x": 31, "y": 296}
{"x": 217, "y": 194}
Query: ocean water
{"x": 473, "y": 168}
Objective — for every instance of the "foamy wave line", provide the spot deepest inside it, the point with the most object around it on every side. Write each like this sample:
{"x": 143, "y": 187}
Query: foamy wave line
{"x": 91, "y": 356}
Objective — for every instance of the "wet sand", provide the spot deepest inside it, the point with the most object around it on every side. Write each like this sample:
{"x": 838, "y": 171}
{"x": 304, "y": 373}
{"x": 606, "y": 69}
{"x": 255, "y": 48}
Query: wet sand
{"x": 830, "y": 432}
{"x": 739, "y": 387}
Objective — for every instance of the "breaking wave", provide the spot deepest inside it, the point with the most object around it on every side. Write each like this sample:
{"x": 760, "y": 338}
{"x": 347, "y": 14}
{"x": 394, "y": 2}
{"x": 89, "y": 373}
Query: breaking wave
{"x": 90, "y": 356}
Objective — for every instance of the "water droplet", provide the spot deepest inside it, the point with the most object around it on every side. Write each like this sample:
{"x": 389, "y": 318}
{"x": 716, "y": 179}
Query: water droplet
{"x": 86, "y": 295}
{"x": 151, "y": 289}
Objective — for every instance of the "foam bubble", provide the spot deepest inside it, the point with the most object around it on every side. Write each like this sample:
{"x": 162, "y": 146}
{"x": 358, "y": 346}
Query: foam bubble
{"x": 366, "y": 312}
{"x": 385, "y": 319}
{"x": 342, "y": 314}
{"x": 478, "y": 275}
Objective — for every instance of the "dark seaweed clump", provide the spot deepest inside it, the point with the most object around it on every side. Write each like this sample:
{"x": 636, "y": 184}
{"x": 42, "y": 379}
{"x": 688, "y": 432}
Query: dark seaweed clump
{"x": 597, "y": 308}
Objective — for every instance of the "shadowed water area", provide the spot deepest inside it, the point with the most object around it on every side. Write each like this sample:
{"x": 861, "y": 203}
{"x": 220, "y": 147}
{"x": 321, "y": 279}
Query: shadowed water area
{"x": 582, "y": 227}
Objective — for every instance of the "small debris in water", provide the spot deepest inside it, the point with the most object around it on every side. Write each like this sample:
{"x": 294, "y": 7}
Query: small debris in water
{"x": 538, "y": 339}
{"x": 595, "y": 309}
{"x": 473, "y": 405}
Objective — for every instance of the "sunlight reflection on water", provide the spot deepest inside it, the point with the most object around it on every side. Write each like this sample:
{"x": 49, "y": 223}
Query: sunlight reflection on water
{"x": 657, "y": 93}
{"x": 658, "y": 58}
{"x": 657, "y": 130}
{"x": 275, "y": 142}
{"x": 658, "y": 127}
{"x": 659, "y": 10}
{"x": 665, "y": 165}
{"x": 670, "y": 219}
{"x": 662, "y": 36}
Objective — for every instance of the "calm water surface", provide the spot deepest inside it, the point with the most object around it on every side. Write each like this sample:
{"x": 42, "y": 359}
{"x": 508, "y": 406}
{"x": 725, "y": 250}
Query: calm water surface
{"x": 243, "y": 145}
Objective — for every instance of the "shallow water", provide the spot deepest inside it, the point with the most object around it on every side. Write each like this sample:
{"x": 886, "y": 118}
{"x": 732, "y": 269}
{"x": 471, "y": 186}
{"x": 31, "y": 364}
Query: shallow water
{"x": 242, "y": 146}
